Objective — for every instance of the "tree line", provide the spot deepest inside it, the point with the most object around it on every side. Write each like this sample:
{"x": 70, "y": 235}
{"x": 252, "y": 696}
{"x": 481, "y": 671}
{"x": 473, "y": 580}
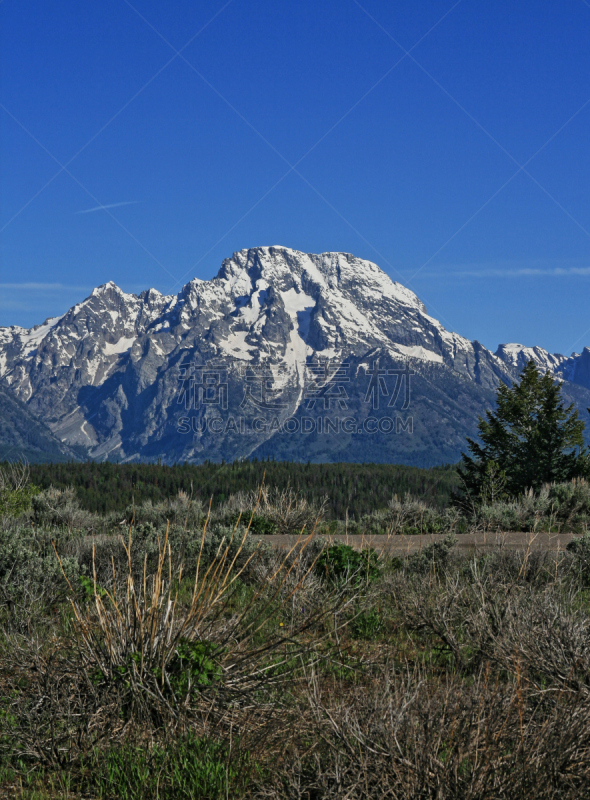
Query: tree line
{"x": 353, "y": 489}
{"x": 529, "y": 440}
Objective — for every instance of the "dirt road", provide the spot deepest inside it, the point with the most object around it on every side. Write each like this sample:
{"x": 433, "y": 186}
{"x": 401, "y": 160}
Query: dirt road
{"x": 466, "y": 542}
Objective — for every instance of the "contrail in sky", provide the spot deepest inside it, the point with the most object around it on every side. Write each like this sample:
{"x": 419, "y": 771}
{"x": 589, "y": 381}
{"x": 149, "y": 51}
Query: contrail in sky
{"x": 109, "y": 205}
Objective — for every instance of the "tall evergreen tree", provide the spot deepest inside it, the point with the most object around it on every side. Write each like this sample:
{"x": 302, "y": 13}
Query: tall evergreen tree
{"x": 530, "y": 439}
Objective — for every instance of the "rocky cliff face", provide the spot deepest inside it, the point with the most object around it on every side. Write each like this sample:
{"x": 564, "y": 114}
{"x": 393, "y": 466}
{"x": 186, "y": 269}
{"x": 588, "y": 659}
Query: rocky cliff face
{"x": 282, "y": 353}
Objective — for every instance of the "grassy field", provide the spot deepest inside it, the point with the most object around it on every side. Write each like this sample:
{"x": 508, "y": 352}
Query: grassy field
{"x": 175, "y": 656}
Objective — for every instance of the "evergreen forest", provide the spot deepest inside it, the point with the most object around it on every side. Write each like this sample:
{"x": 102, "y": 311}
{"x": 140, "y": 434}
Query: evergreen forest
{"x": 352, "y": 489}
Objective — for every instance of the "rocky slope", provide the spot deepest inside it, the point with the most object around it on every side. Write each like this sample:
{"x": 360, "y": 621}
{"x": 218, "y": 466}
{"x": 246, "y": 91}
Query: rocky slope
{"x": 24, "y": 436}
{"x": 283, "y": 353}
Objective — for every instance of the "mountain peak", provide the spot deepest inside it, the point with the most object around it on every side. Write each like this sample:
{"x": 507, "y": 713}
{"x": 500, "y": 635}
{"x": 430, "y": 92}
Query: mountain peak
{"x": 331, "y": 270}
{"x": 105, "y": 287}
{"x": 272, "y": 324}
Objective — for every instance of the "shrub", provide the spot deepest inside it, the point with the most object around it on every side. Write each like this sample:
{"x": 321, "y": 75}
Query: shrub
{"x": 408, "y": 516}
{"x": 571, "y": 502}
{"x": 340, "y": 563}
{"x": 160, "y": 641}
{"x": 30, "y": 574}
{"x": 408, "y": 735}
{"x": 559, "y": 505}
{"x": 15, "y": 502}
{"x": 182, "y": 511}
{"x": 15, "y": 490}
{"x": 434, "y": 557}
{"x": 283, "y": 509}
{"x": 56, "y": 508}
{"x": 579, "y": 547}
{"x": 259, "y": 525}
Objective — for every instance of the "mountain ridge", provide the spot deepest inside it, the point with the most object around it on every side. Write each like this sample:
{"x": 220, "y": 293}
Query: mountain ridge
{"x": 120, "y": 374}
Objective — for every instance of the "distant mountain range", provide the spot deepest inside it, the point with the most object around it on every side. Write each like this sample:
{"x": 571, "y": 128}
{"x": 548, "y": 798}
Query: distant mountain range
{"x": 283, "y": 353}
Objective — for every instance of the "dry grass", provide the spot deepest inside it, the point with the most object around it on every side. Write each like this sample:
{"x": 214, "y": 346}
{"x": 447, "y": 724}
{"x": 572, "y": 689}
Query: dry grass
{"x": 164, "y": 654}
{"x": 444, "y": 677}
{"x": 478, "y": 690}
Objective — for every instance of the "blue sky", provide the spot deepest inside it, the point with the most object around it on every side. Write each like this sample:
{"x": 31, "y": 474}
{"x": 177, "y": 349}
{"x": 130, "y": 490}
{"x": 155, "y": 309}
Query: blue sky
{"x": 447, "y": 142}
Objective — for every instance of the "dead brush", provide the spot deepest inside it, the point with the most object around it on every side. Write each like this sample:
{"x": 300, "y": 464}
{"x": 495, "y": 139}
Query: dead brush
{"x": 14, "y": 475}
{"x": 177, "y": 649}
{"x": 48, "y": 715}
{"x": 286, "y": 508}
{"x": 409, "y": 737}
{"x": 290, "y": 511}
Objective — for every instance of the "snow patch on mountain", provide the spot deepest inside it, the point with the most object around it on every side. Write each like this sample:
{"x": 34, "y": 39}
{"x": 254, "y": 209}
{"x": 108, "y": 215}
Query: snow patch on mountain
{"x": 121, "y": 346}
{"x": 29, "y": 339}
{"x": 236, "y": 346}
{"x": 298, "y": 306}
{"x": 295, "y": 301}
{"x": 419, "y": 352}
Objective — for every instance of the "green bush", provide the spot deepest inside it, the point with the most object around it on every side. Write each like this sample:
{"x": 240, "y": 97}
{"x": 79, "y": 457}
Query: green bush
{"x": 194, "y": 667}
{"x": 57, "y": 508}
{"x": 367, "y": 624}
{"x": 258, "y": 523}
{"x": 180, "y": 511}
{"x": 341, "y": 562}
{"x": 564, "y": 506}
{"x": 409, "y": 516}
{"x": 14, "y": 502}
{"x": 435, "y": 557}
{"x": 571, "y": 502}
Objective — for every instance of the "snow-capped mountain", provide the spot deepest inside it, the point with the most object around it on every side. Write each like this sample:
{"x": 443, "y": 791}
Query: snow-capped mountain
{"x": 284, "y": 353}
{"x": 574, "y": 368}
{"x": 517, "y": 356}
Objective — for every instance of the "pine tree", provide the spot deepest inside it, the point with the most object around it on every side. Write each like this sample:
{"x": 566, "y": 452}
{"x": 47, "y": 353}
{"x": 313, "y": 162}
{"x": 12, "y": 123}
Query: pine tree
{"x": 531, "y": 439}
